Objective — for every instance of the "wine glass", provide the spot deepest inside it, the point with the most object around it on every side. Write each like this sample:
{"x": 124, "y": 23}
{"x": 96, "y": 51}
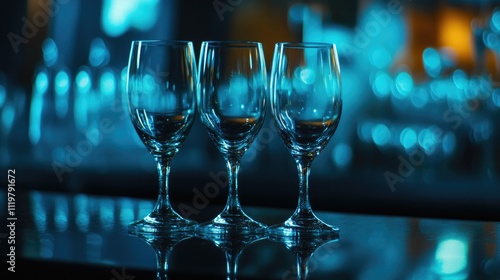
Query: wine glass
{"x": 163, "y": 245}
{"x": 306, "y": 104}
{"x": 161, "y": 88}
{"x": 303, "y": 247}
{"x": 233, "y": 245}
{"x": 231, "y": 103}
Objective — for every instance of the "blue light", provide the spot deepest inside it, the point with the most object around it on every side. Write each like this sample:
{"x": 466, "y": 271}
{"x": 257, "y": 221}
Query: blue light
{"x": 432, "y": 62}
{"x": 118, "y": 16}
{"x": 296, "y": 13}
{"x": 404, "y": 85}
{"x": 50, "y": 52}
{"x": 39, "y": 211}
{"x": 83, "y": 87}
{"x": 99, "y": 53}
{"x": 42, "y": 82}
{"x": 107, "y": 83}
{"x": 482, "y": 131}
{"x": 420, "y": 97}
{"x": 364, "y": 132}
{"x": 230, "y": 97}
{"x": 496, "y": 97}
{"x": 238, "y": 86}
{"x": 106, "y": 214}
{"x": 83, "y": 81}
{"x": 376, "y": 30}
{"x": 148, "y": 83}
{"x": 427, "y": 139}
{"x": 123, "y": 79}
{"x": 491, "y": 40}
{"x": 342, "y": 155}
{"x": 495, "y": 21}
{"x": 82, "y": 212}
{"x": 460, "y": 79}
{"x": 381, "y": 58}
{"x": 40, "y": 87}
{"x": 451, "y": 257}
{"x": 144, "y": 208}
{"x": 126, "y": 209}
{"x": 449, "y": 143}
{"x": 408, "y": 138}
{"x": 381, "y": 135}
{"x": 34, "y": 131}
{"x": 61, "y": 214}
{"x": 479, "y": 87}
{"x": 62, "y": 85}
{"x": 8, "y": 114}
{"x": 439, "y": 90}
{"x": 312, "y": 26}
{"x": 307, "y": 76}
{"x": 3, "y": 95}
{"x": 382, "y": 84}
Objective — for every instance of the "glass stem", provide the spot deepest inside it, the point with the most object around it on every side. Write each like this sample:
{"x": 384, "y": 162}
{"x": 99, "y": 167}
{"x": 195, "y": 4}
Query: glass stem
{"x": 302, "y": 266}
{"x": 163, "y": 202}
{"x": 233, "y": 167}
{"x": 232, "y": 264}
{"x": 303, "y": 211}
{"x": 162, "y": 263}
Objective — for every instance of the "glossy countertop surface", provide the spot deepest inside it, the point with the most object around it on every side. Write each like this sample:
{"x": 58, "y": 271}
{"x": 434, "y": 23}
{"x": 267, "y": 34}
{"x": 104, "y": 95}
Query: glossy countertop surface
{"x": 80, "y": 236}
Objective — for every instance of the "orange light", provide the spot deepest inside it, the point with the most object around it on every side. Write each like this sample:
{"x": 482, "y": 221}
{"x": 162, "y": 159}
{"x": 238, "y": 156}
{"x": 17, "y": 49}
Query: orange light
{"x": 455, "y": 33}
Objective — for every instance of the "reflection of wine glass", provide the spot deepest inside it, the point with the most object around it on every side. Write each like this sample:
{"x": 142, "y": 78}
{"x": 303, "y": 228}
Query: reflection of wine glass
{"x": 163, "y": 245}
{"x": 306, "y": 104}
{"x": 231, "y": 102}
{"x": 233, "y": 245}
{"x": 162, "y": 105}
{"x": 303, "y": 246}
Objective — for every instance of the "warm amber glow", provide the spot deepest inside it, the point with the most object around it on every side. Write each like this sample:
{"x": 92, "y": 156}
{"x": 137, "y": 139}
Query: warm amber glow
{"x": 455, "y": 32}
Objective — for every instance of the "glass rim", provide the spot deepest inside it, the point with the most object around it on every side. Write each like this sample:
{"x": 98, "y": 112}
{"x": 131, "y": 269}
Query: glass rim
{"x": 305, "y": 45}
{"x": 232, "y": 43}
{"x": 161, "y": 42}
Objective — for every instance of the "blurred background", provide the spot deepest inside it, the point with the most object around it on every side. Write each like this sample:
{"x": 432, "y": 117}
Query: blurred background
{"x": 418, "y": 134}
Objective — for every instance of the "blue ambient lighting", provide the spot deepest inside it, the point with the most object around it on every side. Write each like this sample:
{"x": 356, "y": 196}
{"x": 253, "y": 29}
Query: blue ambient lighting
{"x": 342, "y": 155}
{"x": 451, "y": 256}
{"x": 432, "y": 62}
{"x": 99, "y": 53}
{"x": 381, "y": 135}
{"x": 118, "y": 16}
{"x": 107, "y": 83}
{"x": 408, "y": 138}
{"x": 404, "y": 85}
{"x": 50, "y": 52}
{"x": 382, "y": 84}
{"x": 62, "y": 85}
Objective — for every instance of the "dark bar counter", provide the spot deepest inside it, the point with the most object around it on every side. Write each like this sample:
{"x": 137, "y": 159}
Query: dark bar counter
{"x": 82, "y": 236}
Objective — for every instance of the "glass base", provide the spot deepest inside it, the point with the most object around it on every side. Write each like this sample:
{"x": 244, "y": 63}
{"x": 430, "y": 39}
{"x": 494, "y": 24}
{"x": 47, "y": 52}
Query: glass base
{"x": 295, "y": 227}
{"x": 162, "y": 224}
{"x": 230, "y": 225}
